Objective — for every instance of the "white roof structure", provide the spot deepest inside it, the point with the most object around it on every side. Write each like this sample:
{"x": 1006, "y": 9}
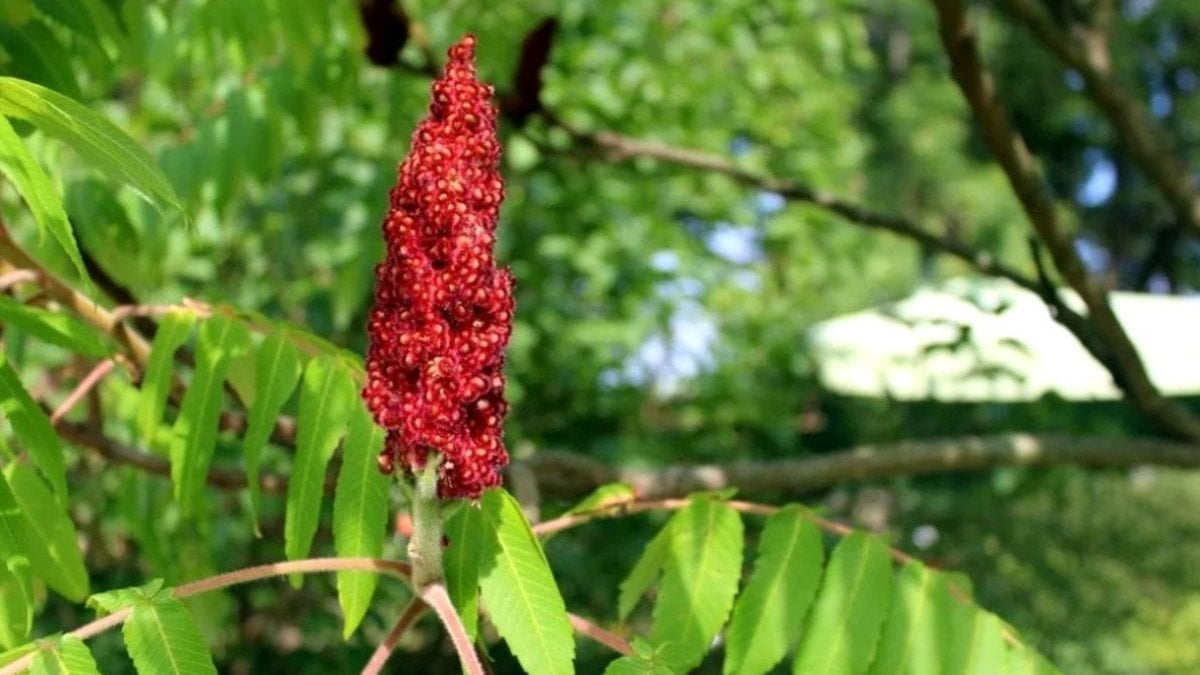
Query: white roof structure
{"x": 990, "y": 340}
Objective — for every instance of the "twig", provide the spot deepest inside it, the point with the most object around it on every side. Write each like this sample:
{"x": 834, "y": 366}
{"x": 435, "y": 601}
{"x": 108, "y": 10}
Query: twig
{"x": 81, "y": 305}
{"x": 617, "y": 147}
{"x": 570, "y": 475}
{"x": 85, "y": 385}
{"x": 1019, "y": 166}
{"x": 392, "y": 568}
{"x": 381, "y": 654}
{"x": 1148, "y": 146}
{"x": 606, "y": 638}
{"x": 435, "y": 596}
{"x": 16, "y": 276}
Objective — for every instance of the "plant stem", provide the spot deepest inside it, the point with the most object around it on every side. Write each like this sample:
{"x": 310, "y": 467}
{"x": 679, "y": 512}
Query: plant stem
{"x": 435, "y": 596}
{"x": 425, "y": 547}
{"x": 380, "y": 656}
{"x": 389, "y": 567}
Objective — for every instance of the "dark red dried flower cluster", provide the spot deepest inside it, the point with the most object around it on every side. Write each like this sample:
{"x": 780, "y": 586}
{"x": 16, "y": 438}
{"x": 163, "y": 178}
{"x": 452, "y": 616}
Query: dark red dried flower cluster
{"x": 443, "y": 311}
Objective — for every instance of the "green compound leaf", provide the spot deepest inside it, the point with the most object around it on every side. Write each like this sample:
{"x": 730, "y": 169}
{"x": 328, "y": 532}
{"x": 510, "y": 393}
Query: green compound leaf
{"x": 700, "y": 578}
{"x": 327, "y": 396}
{"x": 173, "y": 331}
{"x": 520, "y": 594}
{"x": 276, "y": 373}
{"x": 16, "y": 601}
{"x": 644, "y": 573}
{"x": 841, "y": 633}
{"x": 471, "y": 542}
{"x": 162, "y": 638}
{"x": 33, "y": 429}
{"x": 68, "y": 656}
{"x": 95, "y": 138}
{"x": 770, "y": 611}
{"x": 54, "y": 327}
{"x": 39, "y": 193}
{"x": 52, "y": 542}
{"x": 194, "y": 437}
{"x": 360, "y": 513}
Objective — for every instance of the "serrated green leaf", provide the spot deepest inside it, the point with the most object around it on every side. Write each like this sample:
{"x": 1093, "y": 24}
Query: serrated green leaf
{"x": 471, "y": 542}
{"x": 95, "y": 138}
{"x": 108, "y": 602}
{"x": 45, "y": 203}
{"x": 360, "y": 513}
{"x": 644, "y": 573}
{"x": 56, "y": 328}
{"x": 162, "y": 638}
{"x": 519, "y": 591}
{"x": 700, "y": 578}
{"x": 173, "y": 331}
{"x": 770, "y": 611}
{"x": 69, "y": 656}
{"x": 912, "y": 639}
{"x": 326, "y": 398}
{"x": 841, "y": 632}
{"x": 276, "y": 374}
{"x": 53, "y": 543}
{"x": 194, "y": 437}
{"x": 16, "y": 601}
{"x": 976, "y": 646}
{"x": 33, "y": 429}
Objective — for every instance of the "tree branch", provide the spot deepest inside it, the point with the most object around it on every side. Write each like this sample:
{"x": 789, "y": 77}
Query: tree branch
{"x": 1148, "y": 146}
{"x": 1007, "y": 145}
{"x": 617, "y": 147}
{"x": 567, "y": 475}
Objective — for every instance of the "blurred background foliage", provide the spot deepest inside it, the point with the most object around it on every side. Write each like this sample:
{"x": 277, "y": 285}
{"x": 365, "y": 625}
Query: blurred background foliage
{"x": 661, "y": 311}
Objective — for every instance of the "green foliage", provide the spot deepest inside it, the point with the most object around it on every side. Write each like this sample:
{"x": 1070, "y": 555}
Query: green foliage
{"x": 843, "y": 628}
{"x": 19, "y": 166}
{"x": 277, "y": 370}
{"x": 772, "y": 606}
{"x": 99, "y": 141}
{"x": 470, "y": 545}
{"x": 32, "y": 428}
{"x": 194, "y": 436}
{"x": 67, "y": 656}
{"x": 522, "y": 600}
{"x": 702, "y": 565}
{"x": 162, "y": 637}
{"x": 360, "y": 512}
{"x": 49, "y": 538}
{"x": 327, "y": 397}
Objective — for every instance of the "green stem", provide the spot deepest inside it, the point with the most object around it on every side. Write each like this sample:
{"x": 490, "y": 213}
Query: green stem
{"x": 425, "y": 547}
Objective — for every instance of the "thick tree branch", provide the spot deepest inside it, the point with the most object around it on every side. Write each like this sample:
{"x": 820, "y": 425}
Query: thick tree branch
{"x": 1148, "y": 146}
{"x": 568, "y": 475}
{"x": 1116, "y": 349}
